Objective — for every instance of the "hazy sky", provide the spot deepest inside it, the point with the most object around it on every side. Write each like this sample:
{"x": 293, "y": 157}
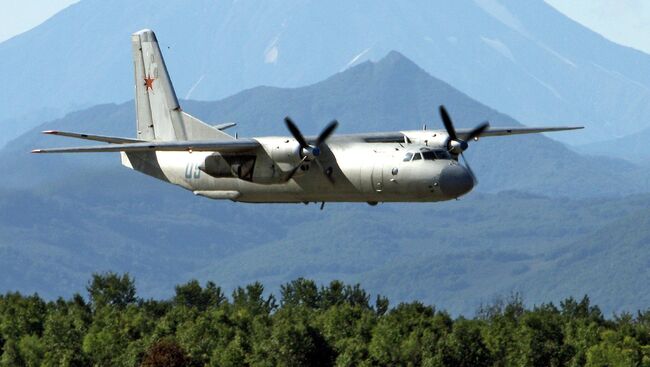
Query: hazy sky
{"x": 623, "y": 21}
{"x": 18, "y": 16}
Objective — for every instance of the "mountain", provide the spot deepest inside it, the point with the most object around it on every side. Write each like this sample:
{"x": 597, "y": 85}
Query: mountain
{"x": 390, "y": 95}
{"x": 456, "y": 255}
{"x": 633, "y": 147}
{"x": 522, "y": 58}
{"x": 63, "y": 217}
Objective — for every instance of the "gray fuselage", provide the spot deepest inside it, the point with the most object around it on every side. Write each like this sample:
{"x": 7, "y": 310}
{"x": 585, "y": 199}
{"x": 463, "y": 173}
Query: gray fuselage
{"x": 358, "y": 172}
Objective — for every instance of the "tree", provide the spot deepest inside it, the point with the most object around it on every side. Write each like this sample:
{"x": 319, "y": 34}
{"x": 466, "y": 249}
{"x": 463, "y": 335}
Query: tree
{"x": 300, "y": 292}
{"x": 408, "y": 334}
{"x": 251, "y": 298}
{"x": 540, "y": 338}
{"x": 31, "y": 350}
{"x": 110, "y": 289}
{"x": 65, "y": 327}
{"x": 191, "y": 294}
{"x": 348, "y": 329}
{"x": 296, "y": 342}
{"x": 465, "y": 347}
{"x": 614, "y": 350}
{"x": 165, "y": 353}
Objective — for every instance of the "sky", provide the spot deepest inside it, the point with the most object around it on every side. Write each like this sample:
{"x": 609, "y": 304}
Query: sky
{"x": 18, "y": 16}
{"x": 623, "y": 21}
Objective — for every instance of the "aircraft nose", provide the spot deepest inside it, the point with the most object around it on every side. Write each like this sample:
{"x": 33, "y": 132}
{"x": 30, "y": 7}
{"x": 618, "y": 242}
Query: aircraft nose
{"x": 455, "y": 181}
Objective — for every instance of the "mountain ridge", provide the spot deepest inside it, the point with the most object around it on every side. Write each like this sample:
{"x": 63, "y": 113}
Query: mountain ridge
{"x": 511, "y": 62}
{"x": 63, "y": 217}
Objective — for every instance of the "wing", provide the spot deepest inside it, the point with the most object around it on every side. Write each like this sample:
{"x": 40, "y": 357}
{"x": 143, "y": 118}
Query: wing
{"x": 516, "y": 130}
{"x": 105, "y": 139}
{"x": 228, "y": 146}
{"x": 399, "y": 136}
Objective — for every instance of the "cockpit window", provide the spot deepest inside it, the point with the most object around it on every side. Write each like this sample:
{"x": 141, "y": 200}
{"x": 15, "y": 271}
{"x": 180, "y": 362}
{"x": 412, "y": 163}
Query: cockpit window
{"x": 442, "y": 154}
{"x": 429, "y": 155}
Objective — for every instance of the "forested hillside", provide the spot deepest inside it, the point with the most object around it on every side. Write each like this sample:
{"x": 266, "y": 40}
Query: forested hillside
{"x": 565, "y": 231}
{"x": 306, "y": 325}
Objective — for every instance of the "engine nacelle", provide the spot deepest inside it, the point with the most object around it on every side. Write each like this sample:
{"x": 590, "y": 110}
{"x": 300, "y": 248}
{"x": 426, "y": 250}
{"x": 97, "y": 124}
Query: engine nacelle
{"x": 285, "y": 152}
{"x": 430, "y": 138}
{"x": 457, "y": 146}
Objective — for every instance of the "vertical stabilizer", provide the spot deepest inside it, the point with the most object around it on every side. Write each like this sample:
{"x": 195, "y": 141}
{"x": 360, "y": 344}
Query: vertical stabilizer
{"x": 159, "y": 116}
{"x": 158, "y": 112}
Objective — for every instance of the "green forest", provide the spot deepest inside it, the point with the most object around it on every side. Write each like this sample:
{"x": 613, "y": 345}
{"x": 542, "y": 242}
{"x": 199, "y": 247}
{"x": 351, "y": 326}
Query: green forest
{"x": 307, "y": 325}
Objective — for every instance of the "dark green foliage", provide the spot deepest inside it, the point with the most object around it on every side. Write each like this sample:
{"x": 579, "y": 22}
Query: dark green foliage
{"x": 165, "y": 353}
{"x": 332, "y": 325}
{"x": 111, "y": 289}
{"x": 192, "y": 295}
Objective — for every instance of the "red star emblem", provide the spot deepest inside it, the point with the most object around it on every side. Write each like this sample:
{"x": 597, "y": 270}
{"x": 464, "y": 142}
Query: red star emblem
{"x": 148, "y": 82}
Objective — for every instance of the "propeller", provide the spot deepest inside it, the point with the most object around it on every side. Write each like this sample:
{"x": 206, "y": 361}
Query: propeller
{"x": 455, "y": 144}
{"x": 310, "y": 152}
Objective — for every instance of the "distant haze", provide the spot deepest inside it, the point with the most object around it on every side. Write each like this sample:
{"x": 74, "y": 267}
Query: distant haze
{"x": 17, "y": 17}
{"x": 623, "y": 21}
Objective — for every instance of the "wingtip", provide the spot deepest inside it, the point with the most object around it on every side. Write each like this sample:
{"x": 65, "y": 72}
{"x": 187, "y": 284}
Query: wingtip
{"x": 50, "y": 132}
{"x": 37, "y": 151}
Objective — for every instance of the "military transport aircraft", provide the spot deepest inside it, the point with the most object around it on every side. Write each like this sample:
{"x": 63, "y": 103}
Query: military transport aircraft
{"x": 171, "y": 145}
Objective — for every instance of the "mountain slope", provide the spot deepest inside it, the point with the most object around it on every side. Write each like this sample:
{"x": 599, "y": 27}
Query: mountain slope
{"x": 393, "y": 94}
{"x": 523, "y": 58}
{"x": 63, "y": 217}
{"x": 635, "y": 146}
{"x": 455, "y": 254}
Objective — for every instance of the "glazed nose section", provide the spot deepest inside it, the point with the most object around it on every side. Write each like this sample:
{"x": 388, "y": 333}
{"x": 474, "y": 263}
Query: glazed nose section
{"x": 455, "y": 180}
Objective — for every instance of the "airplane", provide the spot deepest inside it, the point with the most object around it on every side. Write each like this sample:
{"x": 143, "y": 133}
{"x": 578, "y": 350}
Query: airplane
{"x": 173, "y": 146}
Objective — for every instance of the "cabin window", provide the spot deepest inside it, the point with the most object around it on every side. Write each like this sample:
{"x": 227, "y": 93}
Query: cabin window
{"x": 407, "y": 157}
{"x": 417, "y": 156}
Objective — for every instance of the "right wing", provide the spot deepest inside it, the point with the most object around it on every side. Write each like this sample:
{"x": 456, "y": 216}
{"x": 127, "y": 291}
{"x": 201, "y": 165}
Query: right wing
{"x": 228, "y": 146}
{"x": 400, "y": 136}
{"x": 517, "y": 130}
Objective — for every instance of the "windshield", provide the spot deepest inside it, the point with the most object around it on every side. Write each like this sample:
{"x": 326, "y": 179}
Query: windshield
{"x": 442, "y": 154}
{"x": 427, "y": 155}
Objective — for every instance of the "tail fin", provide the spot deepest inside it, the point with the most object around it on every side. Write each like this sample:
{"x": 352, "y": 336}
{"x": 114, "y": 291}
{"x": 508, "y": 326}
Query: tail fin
{"x": 159, "y": 116}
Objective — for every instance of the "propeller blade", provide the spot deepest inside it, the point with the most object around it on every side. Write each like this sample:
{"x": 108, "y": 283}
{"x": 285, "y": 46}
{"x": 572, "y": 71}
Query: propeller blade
{"x": 478, "y": 131}
{"x": 449, "y": 126}
{"x": 469, "y": 169}
{"x": 296, "y": 132}
{"x": 327, "y": 132}
{"x": 295, "y": 169}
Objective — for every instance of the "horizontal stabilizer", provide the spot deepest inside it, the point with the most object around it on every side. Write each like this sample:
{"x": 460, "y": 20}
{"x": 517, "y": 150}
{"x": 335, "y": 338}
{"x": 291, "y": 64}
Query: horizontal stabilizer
{"x": 104, "y": 139}
{"x": 228, "y": 146}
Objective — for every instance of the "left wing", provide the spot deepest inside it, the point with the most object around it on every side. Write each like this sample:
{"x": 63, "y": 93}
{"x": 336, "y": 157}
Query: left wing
{"x": 228, "y": 146}
{"x": 105, "y": 139}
